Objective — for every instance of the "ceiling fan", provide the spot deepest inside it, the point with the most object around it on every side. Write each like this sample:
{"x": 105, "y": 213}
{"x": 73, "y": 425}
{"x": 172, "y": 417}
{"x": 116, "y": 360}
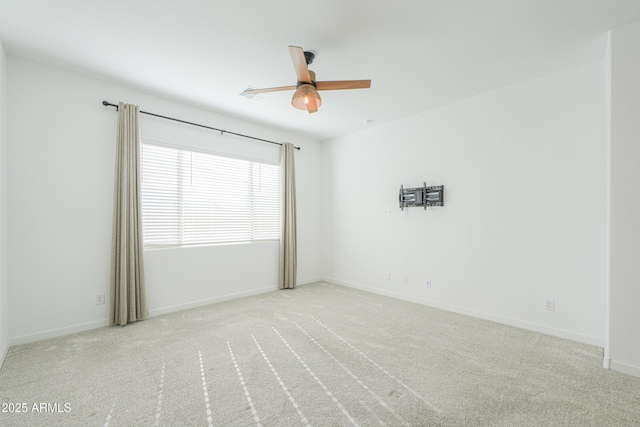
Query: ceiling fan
{"x": 306, "y": 96}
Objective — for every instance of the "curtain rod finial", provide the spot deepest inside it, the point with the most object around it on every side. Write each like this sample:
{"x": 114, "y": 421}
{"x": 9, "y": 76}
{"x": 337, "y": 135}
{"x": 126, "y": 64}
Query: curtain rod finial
{"x": 105, "y": 103}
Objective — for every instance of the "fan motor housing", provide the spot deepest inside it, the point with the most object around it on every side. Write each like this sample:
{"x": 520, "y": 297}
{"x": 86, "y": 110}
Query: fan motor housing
{"x": 309, "y": 56}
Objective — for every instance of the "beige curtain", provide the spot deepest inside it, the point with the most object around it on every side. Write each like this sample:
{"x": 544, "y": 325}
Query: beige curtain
{"x": 288, "y": 245}
{"x": 128, "y": 299}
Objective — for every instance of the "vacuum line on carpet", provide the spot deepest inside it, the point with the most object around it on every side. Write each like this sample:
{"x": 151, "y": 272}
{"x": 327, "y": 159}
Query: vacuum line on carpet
{"x": 244, "y": 387}
{"x": 109, "y": 416}
{"x": 324, "y": 387}
{"x": 366, "y": 408}
{"x": 352, "y": 375}
{"x": 205, "y": 391}
{"x": 284, "y": 387}
{"x": 160, "y": 395}
{"x": 383, "y": 370}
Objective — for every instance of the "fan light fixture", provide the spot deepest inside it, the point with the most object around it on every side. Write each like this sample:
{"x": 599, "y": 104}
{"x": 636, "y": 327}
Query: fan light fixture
{"x": 306, "y": 97}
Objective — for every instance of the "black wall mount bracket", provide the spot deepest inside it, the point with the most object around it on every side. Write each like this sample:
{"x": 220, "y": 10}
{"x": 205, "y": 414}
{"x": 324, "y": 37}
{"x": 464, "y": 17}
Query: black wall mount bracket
{"x": 421, "y": 196}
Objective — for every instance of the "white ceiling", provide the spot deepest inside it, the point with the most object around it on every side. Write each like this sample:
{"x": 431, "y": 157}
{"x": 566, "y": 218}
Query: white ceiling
{"x": 419, "y": 54}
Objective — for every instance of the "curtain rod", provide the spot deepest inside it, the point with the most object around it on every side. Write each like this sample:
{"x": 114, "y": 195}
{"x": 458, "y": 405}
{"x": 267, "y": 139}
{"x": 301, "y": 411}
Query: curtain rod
{"x": 222, "y": 131}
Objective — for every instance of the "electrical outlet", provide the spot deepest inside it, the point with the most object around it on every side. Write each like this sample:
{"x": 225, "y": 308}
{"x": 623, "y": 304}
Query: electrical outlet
{"x": 99, "y": 299}
{"x": 427, "y": 283}
{"x": 406, "y": 280}
{"x": 388, "y": 277}
{"x": 387, "y": 212}
{"x": 549, "y": 305}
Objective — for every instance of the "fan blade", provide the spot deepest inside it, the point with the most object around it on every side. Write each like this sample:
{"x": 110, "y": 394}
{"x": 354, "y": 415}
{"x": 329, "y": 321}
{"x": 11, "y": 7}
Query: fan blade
{"x": 344, "y": 84}
{"x": 269, "y": 89}
{"x": 300, "y": 64}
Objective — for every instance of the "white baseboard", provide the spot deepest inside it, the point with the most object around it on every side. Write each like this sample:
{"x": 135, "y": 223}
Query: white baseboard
{"x": 53, "y": 333}
{"x": 309, "y": 281}
{"x": 624, "y": 368}
{"x": 208, "y": 301}
{"x": 228, "y": 297}
{"x": 561, "y": 333}
{"x": 3, "y": 355}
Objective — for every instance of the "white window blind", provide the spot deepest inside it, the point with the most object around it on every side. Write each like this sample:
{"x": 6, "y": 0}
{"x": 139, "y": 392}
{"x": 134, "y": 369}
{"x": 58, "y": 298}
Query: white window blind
{"x": 195, "y": 198}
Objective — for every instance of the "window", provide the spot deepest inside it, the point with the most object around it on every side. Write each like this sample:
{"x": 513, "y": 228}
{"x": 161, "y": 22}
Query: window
{"x": 196, "y": 198}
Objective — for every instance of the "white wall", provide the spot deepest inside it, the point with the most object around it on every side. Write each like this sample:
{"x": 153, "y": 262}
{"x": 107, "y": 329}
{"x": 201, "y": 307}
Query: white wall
{"x": 61, "y": 146}
{"x": 607, "y": 106}
{"x": 4, "y": 290}
{"x": 624, "y": 321}
{"x": 525, "y": 208}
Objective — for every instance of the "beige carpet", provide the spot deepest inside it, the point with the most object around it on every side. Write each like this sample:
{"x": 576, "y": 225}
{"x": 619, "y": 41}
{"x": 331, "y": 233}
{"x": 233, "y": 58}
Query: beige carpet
{"x": 320, "y": 355}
